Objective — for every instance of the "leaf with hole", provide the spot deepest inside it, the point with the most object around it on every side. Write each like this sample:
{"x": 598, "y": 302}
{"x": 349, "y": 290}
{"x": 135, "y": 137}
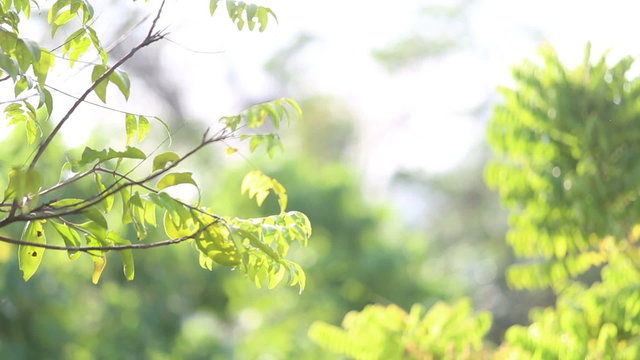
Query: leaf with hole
{"x": 29, "y": 256}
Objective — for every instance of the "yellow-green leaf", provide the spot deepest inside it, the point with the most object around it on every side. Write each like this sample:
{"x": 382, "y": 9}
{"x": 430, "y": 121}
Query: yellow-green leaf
{"x": 161, "y": 161}
{"x": 70, "y": 236}
{"x": 143, "y": 128}
{"x": 131, "y": 126}
{"x": 30, "y": 257}
{"x": 176, "y": 179}
{"x": 99, "y": 263}
{"x": 101, "y": 88}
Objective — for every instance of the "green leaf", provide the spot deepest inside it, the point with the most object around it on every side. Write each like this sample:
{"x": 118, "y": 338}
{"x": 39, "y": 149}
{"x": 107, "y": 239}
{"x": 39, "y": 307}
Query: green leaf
{"x": 176, "y": 179}
{"x": 8, "y": 65}
{"x": 21, "y": 85}
{"x": 75, "y": 45}
{"x": 128, "y": 265}
{"x": 121, "y": 79}
{"x": 125, "y": 195}
{"x": 99, "y": 263}
{"x": 295, "y": 106}
{"x": 213, "y": 5}
{"x": 276, "y": 278}
{"x": 34, "y": 49}
{"x": 30, "y": 257}
{"x": 90, "y": 155}
{"x": 92, "y": 213}
{"x": 138, "y": 216}
{"x": 251, "y": 13}
{"x": 232, "y": 122}
{"x": 32, "y": 131}
{"x": 131, "y": 127}
{"x": 258, "y": 185}
{"x": 143, "y": 128}
{"x": 179, "y": 214}
{"x": 104, "y": 56}
{"x": 101, "y": 88}
{"x": 161, "y": 161}
{"x": 109, "y": 200}
{"x": 41, "y": 68}
{"x": 176, "y": 231}
{"x": 63, "y": 18}
{"x": 205, "y": 261}
{"x": 70, "y": 236}
{"x": 46, "y": 100}
{"x": 23, "y": 55}
{"x": 22, "y": 182}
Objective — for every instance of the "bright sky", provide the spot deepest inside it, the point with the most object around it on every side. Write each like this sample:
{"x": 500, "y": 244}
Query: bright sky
{"x": 419, "y": 118}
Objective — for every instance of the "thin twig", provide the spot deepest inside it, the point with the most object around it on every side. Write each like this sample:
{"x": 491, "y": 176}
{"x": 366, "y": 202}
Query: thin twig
{"x": 18, "y": 100}
{"x": 111, "y": 190}
{"x": 94, "y": 103}
{"x": 66, "y": 182}
{"x": 193, "y": 50}
{"x": 150, "y": 189}
{"x": 150, "y": 39}
{"x": 106, "y": 247}
{"x": 153, "y": 24}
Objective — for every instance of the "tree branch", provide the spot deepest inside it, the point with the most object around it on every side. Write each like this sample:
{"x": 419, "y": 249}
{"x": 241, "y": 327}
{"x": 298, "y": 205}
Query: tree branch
{"x": 150, "y": 189}
{"x": 106, "y": 247}
{"x": 53, "y": 212}
{"x": 148, "y": 40}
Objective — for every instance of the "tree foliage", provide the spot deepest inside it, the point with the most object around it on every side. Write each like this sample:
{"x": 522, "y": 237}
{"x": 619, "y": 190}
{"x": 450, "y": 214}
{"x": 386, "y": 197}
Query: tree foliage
{"x": 565, "y": 166}
{"x": 388, "y": 332}
{"x": 131, "y": 185}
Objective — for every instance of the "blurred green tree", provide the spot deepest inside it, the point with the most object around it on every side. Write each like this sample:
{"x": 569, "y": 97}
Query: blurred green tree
{"x": 565, "y": 167}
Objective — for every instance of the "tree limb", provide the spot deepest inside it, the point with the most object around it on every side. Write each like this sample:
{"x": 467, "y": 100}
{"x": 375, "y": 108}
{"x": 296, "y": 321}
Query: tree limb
{"x": 148, "y": 40}
{"x": 106, "y": 247}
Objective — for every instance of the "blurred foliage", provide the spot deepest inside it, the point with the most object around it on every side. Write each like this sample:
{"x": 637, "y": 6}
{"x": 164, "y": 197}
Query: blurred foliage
{"x": 359, "y": 255}
{"x": 597, "y": 322}
{"x": 440, "y": 30}
{"x": 564, "y": 140}
{"x": 565, "y": 168}
{"x": 465, "y": 226}
{"x": 566, "y": 165}
{"x": 379, "y": 332}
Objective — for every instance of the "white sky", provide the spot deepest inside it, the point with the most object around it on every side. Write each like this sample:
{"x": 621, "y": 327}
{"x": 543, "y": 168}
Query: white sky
{"x": 418, "y": 118}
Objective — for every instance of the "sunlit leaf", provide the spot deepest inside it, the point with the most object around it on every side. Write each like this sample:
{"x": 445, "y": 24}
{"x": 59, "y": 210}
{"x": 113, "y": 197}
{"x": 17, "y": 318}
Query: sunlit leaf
{"x": 109, "y": 200}
{"x": 101, "y": 87}
{"x": 99, "y": 263}
{"x": 162, "y": 160}
{"x": 90, "y": 155}
{"x": 30, "y": 256}
{"x": 41, "y": 68}
{"x": 213, "y": 5}
{"x": 121, "y": 79}
{"x": 128, "y": 264}
{"x": 131, "y": 127}
{"x": 70, "y": 236}
{"x": 143, "y": 128}
{"x": 176, "y": 179}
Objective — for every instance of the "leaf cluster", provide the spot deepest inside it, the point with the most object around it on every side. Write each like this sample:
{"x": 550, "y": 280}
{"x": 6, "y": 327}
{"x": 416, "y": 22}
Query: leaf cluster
{"x": 566, "y": 164}
{"x": 124, "y": 194}
{"x": 388, "y": 332}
